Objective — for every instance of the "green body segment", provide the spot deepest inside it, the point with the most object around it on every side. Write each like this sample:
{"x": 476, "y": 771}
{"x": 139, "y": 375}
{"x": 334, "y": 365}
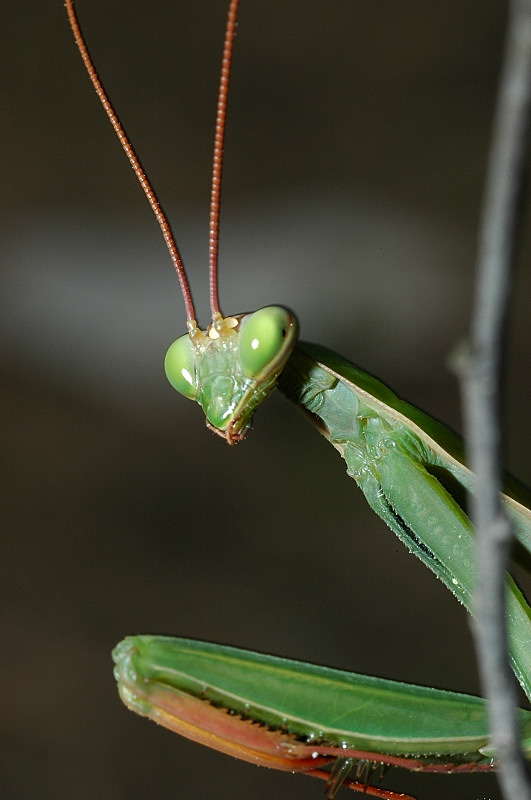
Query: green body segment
{"x": 408, "y": 466}
{"x": 436, "y": 444}
{"x": 320, "y": 706}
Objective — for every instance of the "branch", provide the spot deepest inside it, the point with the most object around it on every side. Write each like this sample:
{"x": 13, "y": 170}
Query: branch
{"x": 481, "y": 394}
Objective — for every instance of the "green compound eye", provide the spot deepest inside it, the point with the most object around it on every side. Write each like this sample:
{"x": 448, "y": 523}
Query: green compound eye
{"x": 264, "y": 338}
{"x": 179, "y": 366}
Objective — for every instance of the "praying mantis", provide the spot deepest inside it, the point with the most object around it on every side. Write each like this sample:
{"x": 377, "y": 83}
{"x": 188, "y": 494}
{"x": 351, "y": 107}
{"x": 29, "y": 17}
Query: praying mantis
{"x": 402, "y": 460}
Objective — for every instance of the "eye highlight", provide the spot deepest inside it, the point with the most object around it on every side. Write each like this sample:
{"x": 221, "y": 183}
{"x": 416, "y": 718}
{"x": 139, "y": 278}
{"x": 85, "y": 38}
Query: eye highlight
{"x": 179, "y": 366}
{"x": 264, "y": 338}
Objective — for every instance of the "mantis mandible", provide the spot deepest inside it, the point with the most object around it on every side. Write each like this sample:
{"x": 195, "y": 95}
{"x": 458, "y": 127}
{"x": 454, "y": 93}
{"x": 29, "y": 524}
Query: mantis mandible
{"x": 406, "y": 464}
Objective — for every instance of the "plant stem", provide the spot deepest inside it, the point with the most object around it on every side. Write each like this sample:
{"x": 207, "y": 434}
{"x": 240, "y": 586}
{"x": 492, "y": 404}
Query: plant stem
{"x": 481, "y": 393}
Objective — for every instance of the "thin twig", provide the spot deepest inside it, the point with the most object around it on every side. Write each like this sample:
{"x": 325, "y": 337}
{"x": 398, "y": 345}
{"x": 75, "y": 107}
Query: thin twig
{"x": 481, "y": 394}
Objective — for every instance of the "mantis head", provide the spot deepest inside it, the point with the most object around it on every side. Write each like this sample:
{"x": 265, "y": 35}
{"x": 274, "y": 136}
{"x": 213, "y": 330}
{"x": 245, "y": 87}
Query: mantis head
{"x": 232, "y": 366}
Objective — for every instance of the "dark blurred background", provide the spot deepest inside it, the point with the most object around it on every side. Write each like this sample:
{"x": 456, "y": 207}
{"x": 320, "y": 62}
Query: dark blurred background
{"x": 355, "y": 156}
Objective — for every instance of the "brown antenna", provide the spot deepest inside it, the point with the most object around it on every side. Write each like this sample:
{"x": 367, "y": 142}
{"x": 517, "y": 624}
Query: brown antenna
{"x": 217, "y": 165}
{"x": 137, "y": 167}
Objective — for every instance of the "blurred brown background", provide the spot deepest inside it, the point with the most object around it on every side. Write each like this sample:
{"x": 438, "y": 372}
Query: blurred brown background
{"x": 356, "y": 148}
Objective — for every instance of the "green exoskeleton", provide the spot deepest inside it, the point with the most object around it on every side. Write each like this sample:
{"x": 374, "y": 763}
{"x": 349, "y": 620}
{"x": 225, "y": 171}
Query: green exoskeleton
{"x": 309, "y": 716}
{"x": 292, "y": 715}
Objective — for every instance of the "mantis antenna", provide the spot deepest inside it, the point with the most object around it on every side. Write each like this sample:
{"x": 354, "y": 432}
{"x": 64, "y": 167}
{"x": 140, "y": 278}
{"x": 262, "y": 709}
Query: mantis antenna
{"x": 156, "y": 207}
